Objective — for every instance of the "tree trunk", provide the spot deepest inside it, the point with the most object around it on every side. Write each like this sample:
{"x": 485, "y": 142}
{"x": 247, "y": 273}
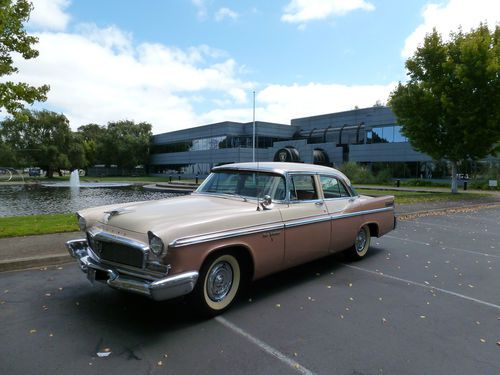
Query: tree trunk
{"x": 454, "y": 172}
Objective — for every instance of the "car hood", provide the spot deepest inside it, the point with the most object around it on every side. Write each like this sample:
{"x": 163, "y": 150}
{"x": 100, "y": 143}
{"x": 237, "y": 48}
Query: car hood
{"x": 184, "y": 216}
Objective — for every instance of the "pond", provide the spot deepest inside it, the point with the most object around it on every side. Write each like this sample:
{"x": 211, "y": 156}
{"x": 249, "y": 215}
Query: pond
{"x": 22, "y": 200}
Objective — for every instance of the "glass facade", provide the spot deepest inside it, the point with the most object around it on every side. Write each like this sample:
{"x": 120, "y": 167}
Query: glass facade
{"x": 214, "y": 143}
{"x": 385, "y": 134}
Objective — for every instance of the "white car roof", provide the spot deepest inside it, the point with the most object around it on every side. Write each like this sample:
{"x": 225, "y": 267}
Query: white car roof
{"x": 282, "y": 168}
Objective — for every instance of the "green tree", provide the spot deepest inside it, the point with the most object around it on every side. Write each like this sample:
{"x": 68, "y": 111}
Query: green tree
{"x": 126, "y": 144}
{"x": 92, "y": 137}
{"x": 14, "y": 39}
{"x": 41, "y": 138}
{"x": 450, "y": 106}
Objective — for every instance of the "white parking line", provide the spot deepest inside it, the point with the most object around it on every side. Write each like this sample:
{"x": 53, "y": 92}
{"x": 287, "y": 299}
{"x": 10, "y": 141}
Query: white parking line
{"x": 445, "y": 247}
{"x": 268, "y": 349}
{"x": 381, "y": 274}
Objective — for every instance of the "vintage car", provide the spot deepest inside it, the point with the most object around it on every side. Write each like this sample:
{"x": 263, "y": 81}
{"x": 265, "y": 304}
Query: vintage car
{"x": 245, "y": 221}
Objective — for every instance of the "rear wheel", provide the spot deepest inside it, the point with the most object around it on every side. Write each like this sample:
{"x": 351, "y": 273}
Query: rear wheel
{"x": 218, "y": 284}
{"x": 361, "y": 243}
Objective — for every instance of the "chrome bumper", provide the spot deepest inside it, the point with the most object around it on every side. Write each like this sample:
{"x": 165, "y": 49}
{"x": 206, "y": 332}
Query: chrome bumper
{"x": 159, "y": 290}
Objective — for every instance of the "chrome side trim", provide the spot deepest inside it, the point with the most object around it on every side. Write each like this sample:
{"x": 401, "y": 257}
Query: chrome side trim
{"x": 359, "y": 213}
{"x": 192, "y": 240}
{"x": 307, "y": 221}
{"x": 197, "y": 239}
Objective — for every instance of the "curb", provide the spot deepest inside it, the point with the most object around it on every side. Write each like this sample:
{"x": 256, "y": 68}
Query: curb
{"x": 448, "y": 210}
{"x": 33, "y": 262}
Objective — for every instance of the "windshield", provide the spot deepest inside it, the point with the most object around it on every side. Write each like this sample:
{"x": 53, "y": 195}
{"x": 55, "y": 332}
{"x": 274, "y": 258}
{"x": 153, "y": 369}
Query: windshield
{"x": 246, "y": 184}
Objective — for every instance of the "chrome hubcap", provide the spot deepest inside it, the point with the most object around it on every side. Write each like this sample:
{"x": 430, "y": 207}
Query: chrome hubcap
{"x": 360, "y": 241}
{"x": 219, "y": 282}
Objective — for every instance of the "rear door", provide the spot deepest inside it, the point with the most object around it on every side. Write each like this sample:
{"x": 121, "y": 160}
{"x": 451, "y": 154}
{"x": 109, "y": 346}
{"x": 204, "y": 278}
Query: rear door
{"x": 306, "y": 219}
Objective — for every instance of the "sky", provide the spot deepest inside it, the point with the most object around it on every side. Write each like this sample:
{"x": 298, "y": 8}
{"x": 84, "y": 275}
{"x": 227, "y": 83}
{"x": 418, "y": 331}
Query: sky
{"x": 183, "y": 63}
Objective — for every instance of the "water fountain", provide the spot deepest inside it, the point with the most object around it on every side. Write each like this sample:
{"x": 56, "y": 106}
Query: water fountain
{"x": 74, "y": 182}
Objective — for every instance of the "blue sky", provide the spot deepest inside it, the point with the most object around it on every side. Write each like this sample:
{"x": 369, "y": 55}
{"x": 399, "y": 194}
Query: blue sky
{"x": 183, "y": 63}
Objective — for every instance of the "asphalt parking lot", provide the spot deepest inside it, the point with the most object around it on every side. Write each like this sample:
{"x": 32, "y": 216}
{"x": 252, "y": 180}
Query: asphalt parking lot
{"x": 425, "y": 301}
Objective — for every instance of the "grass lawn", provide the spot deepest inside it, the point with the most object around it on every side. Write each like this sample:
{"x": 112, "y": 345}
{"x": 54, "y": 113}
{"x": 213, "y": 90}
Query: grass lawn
{"x": 410, "y": 197}
{"x": 37, "y": 224}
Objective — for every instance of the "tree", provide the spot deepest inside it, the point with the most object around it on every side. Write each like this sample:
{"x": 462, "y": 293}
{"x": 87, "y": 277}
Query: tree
{"x": 14, "y": 39}
{"x": 450, "y": 106}
{"x": 126, "y": 144}
{"x": 41, "y": 138}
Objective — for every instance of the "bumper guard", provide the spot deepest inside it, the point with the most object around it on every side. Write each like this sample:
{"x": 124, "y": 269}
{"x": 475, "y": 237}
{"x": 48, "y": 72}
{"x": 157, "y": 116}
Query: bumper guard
{"x": 159, "y": 290}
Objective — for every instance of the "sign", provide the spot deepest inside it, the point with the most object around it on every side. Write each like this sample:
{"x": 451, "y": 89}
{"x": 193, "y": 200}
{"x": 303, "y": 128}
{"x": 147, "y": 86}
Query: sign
{"x": 492, "y": 183}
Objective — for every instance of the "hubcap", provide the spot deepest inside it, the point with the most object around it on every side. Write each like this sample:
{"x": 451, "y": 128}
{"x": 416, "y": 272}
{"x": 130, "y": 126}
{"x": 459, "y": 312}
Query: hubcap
{"x": 219, "y": 282}
{"x": 360, "y": 241}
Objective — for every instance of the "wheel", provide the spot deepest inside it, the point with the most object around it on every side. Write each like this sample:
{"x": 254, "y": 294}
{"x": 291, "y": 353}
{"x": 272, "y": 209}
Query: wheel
{"x": 361, "y": 243}
{"x": 218, "y": 284}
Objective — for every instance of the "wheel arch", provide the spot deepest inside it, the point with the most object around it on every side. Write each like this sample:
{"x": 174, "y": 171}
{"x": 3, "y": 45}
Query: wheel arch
{"x": 241, "y": 252}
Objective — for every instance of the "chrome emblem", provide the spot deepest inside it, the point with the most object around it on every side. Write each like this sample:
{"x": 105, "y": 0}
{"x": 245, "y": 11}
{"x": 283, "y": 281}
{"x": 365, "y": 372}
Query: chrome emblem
{"x": 282, "y": 156}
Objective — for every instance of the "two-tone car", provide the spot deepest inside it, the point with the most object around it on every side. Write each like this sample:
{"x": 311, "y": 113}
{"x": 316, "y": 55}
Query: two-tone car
{"x": 244, "y": 222}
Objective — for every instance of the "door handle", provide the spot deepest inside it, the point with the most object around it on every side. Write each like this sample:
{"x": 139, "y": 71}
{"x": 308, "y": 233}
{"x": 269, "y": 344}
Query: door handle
{"x": 319, "y": 203}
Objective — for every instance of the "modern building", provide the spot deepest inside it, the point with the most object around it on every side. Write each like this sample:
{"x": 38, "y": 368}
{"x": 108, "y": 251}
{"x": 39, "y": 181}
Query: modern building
{"x": 370, "y": 136}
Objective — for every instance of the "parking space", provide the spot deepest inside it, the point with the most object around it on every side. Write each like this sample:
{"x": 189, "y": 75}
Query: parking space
{"x": 425, "y": 300}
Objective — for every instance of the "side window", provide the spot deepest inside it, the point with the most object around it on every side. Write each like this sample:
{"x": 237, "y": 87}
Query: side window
{"x": 333, "y": 188}
{"x": 302, "y": 188}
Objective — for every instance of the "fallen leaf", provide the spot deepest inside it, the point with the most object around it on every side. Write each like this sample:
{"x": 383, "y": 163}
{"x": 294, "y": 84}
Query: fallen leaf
{"x": 422, "y": 317}
{"x": 351, "y": 299}
{"x": 350, "y": 285}
{"x": 32, "y": 330}
{"x": 329, "y": 286}
{"x": 278, "y": 305}
{"x": 482, "y": 340}
{"x": 295, "y": 354}
{"x": 51, "y": 335}
{"x": 477, "y": 322}
{"x": 48, "y": 294}
{"x": 60, "y": 288}
{"x": 165, "y": 355}
{"x": 160, "y": 363}
{"x": 384, "y": 320}
{"x": 341, "y": 316}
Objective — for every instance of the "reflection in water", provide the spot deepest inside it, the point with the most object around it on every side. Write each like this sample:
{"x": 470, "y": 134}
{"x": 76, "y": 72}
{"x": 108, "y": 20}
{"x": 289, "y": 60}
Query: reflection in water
{"x": 20, "y": 200}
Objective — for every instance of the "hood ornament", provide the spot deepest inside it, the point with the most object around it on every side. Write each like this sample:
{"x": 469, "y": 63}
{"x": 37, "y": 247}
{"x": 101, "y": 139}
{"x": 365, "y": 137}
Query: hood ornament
{"x": 118, "y": 211}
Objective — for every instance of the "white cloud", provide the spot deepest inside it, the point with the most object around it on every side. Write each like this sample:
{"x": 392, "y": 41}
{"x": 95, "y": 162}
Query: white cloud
{"x": 224, "y": 13}
{"x": 201, "y": 6}
{"x": 49, "y": 14}
{"x": 448, "y": 17}
{"x": 99, "y": 75}
{"x": 300, "y": 11}
{"x": 281, "y": 103}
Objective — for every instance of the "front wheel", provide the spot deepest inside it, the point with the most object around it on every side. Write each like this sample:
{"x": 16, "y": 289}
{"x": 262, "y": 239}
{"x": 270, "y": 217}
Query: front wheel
{"x": 361, "y": 243}
{"x": 218, "y": 284}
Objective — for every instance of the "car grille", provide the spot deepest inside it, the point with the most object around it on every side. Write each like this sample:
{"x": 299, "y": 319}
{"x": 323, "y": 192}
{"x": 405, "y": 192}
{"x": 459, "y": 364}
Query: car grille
{"x": 116, "y": 253}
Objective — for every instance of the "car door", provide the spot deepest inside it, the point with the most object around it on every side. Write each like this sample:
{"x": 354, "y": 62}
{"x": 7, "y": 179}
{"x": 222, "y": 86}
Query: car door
{"x": 337, "y": 200}
{"x": 306, "y": 219}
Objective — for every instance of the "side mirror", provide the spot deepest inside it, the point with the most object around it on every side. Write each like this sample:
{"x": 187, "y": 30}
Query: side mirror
{"x": 267, "y": 202}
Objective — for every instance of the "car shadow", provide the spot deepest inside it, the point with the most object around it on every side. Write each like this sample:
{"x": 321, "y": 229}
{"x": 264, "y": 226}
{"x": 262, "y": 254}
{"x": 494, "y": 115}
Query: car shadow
{"x": 147, "y": 318}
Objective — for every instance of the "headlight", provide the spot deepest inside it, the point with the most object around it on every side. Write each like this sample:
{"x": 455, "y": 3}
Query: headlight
{"x": 155, "y": 244}
{"x": 82, "y": 223}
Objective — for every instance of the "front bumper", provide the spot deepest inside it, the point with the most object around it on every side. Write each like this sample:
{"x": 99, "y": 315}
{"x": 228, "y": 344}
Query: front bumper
{"x": 159, "y": 290}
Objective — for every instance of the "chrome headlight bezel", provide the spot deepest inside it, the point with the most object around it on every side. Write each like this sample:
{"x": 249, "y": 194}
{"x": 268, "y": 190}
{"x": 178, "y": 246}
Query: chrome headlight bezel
{"x": 82, "y": 223}
{"x": 156, "y": 244}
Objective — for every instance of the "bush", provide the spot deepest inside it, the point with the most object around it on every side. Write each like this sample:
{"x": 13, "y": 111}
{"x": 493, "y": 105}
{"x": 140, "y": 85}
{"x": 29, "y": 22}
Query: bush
{"x": 358, "y": 174}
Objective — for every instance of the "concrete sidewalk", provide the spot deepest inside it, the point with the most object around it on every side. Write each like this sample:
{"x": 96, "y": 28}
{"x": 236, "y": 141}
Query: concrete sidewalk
{"x": 35, "y": 251}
